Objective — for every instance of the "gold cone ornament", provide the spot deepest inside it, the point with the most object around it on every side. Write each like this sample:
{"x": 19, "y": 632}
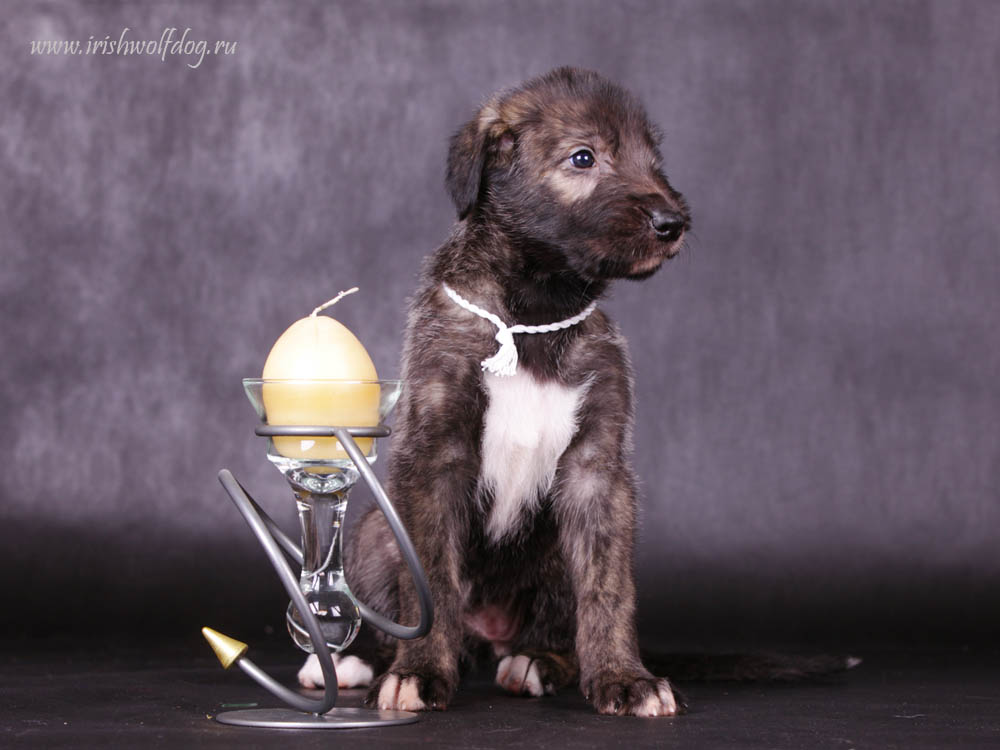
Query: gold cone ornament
{"x": 227, "y": 649}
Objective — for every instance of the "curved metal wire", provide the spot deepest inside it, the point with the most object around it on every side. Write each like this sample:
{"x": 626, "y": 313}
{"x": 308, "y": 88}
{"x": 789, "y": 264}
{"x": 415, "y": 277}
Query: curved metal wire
{"x": 274, "y": 540}
{"x": 272, "y": 430}
{"x": 291, "y": 584}
{"x": 372, "y": 617}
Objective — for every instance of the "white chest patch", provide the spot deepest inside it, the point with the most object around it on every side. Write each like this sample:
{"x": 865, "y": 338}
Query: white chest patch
{"x": 528, "y": 425}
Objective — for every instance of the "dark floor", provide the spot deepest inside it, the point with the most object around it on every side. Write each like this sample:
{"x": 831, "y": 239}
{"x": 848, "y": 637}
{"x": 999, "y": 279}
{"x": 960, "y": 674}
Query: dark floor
{"x": 122, "y": 697}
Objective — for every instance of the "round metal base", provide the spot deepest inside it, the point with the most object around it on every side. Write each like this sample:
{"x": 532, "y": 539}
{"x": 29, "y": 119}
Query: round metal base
{"x": 335, "y": 718}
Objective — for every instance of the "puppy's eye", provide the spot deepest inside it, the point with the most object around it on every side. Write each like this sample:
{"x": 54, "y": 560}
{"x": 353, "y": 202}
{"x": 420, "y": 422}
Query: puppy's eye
{"x": 583, "y": 159}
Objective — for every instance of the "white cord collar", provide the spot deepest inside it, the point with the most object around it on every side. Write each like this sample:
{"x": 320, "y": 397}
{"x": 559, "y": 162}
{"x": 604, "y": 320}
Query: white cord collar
{"x": 504, "y": 362}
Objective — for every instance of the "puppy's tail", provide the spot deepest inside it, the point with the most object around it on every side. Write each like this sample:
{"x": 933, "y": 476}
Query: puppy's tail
{"x": 762, "y": 667}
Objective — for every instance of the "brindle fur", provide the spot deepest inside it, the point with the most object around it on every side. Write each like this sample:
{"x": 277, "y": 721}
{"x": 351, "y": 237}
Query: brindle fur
{"x": 534, "y": 247}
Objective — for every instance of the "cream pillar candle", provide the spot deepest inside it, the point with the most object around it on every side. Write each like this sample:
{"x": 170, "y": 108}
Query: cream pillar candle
{"x": 319, "y": 349}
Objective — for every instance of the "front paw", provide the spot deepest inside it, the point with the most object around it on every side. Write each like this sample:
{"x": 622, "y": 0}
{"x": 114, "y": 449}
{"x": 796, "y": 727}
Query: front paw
{"x": 633, "y": 695}
{"x": 535, "y": 673}
{"x": 407, "y": 690}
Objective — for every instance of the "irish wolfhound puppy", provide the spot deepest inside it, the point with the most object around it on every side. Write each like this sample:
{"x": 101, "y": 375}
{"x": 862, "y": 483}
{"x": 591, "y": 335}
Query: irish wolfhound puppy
{"x": 512, "y": 474}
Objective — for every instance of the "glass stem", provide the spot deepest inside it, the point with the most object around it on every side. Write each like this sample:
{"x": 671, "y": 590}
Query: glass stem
{"x": 321, "y": 515}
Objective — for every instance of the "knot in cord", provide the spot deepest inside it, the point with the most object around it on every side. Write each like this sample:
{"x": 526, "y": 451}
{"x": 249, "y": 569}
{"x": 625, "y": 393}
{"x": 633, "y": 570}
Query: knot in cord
{"x": 504, "y": 362}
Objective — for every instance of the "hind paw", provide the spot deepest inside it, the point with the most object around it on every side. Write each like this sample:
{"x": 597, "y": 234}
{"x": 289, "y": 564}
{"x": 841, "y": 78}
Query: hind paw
{"x": 351, "y": 672}
{"x": 632, "y": 695}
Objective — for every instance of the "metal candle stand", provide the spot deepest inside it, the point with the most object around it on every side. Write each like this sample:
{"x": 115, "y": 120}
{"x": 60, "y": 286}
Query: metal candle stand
{"x": 312, "y": 713}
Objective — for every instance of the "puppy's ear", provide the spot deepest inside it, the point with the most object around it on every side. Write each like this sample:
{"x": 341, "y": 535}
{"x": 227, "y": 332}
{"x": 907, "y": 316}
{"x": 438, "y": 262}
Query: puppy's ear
{"x": 466, "y": 161}
{"x": 471, "y": 148}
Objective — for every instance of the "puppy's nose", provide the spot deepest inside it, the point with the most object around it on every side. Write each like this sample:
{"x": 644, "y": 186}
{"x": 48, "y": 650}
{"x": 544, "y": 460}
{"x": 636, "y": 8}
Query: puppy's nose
{"x": 666, "y": 224}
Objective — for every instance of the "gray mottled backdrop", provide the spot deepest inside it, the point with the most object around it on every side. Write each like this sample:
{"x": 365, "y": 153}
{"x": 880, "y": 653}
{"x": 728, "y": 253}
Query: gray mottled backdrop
{"x": 819, "y": 416}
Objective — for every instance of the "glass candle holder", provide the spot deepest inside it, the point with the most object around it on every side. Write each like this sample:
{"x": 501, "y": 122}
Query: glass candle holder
{"x": 321, "y": 475}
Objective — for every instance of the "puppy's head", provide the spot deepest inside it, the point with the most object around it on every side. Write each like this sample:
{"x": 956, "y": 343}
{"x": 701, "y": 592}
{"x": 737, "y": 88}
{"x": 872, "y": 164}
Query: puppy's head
{"x": 568, "y": 165}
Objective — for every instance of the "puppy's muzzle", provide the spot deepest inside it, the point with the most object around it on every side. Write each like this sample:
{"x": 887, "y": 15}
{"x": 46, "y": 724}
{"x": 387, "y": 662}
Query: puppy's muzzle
{"x": 667, "y": 224}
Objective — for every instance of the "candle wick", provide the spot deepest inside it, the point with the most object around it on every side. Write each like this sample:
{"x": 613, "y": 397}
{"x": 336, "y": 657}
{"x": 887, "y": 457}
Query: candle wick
{"x": 334, "y": 301}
